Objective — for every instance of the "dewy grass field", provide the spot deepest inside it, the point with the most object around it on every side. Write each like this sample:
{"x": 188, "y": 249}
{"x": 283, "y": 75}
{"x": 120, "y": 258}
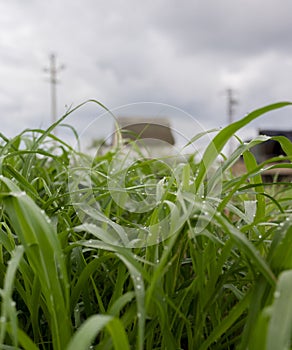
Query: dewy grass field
{"x": 118, "y": 252}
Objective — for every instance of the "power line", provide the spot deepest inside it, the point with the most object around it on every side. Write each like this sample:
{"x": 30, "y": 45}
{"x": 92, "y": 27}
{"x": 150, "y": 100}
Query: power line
{"x": 53, "y": 71}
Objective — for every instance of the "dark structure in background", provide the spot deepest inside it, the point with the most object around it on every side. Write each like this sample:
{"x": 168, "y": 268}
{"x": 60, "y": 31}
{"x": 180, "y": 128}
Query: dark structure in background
{"x": 270, "y": 148}
{"x": 267, "y": 150}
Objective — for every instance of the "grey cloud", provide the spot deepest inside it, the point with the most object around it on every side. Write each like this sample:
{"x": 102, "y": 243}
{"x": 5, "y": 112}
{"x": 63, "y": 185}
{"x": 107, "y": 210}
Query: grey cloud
{"x": 183, "y": 53}
{"x": 228, "y": 27}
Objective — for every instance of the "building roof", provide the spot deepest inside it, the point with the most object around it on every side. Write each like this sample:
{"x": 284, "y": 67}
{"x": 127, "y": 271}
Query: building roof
{"x": 146, "y": 130}
{"x": 273, "y": 132}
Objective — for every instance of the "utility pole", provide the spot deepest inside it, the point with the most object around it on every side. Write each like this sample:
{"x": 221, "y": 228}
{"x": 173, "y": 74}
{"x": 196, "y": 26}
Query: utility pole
{"x": 53, "y": 70}
{"x": 231, "y": 102}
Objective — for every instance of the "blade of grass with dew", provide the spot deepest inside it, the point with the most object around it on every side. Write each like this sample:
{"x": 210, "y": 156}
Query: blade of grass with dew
{"x": 281, "y": 254}
{"x": 25, "y": 342}
{"x": 285, "y": 143}
{"x": 200, "y": 135}
{"x": 280, "y": 325}
{"x": 137, "y": 275}
{"x": 48, "y": 132}
{"x": 250, "y": 163}
{"x": 82, "y": 339}
{"x": 43, "y": 250}
{"x": 140, "y": 299}
{"x": 120, "y": 303}
{"x": 234, "y": 157}
{"x": 235, "y": 184}
{"x": 230, "y": 319}
{"x": 29, "y": 292}
{"x": 273, "y": 328}
{"x": 84, "y": 276}
{"x": 8, "y": 311}
{"x": 247, "y": 248}
{"x": 219, "y": 141}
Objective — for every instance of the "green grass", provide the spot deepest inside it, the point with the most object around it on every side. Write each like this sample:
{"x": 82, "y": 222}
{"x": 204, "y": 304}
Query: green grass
{"x": 124, "y": 252}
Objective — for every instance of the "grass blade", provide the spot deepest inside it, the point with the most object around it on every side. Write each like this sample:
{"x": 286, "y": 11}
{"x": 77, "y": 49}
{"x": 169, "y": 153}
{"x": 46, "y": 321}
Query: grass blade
{"x": 82, "y": 339}
{"x": 43, "y": 251}
{"x": 220, "y": 140}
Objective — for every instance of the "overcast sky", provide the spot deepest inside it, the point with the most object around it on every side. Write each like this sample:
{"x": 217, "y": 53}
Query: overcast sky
{"x": 169, "y": 52}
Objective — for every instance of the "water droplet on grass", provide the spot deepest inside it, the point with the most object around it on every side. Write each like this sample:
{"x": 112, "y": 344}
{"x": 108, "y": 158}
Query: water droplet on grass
{"x": 18, "y": 194}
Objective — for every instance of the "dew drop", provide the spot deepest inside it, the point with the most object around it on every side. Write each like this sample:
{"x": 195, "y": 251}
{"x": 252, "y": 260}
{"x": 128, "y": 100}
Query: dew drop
{"x": 2, "y": 319}
{"x": 18, "y": 194}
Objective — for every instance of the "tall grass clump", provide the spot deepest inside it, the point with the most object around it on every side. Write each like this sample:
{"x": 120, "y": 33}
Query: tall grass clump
{"x": 122, "y": 251}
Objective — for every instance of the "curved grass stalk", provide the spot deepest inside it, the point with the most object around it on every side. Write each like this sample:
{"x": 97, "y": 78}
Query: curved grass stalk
{"x": 45, "y": 256}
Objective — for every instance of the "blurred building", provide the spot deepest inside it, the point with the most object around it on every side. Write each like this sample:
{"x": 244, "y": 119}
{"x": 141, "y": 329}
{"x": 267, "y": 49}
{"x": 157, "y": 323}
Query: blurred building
{"x": 149, "y": 132}
{"x": 267, "y": 150}
{"x": 270, "y": 148}
{"x": 151, "y": 137}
